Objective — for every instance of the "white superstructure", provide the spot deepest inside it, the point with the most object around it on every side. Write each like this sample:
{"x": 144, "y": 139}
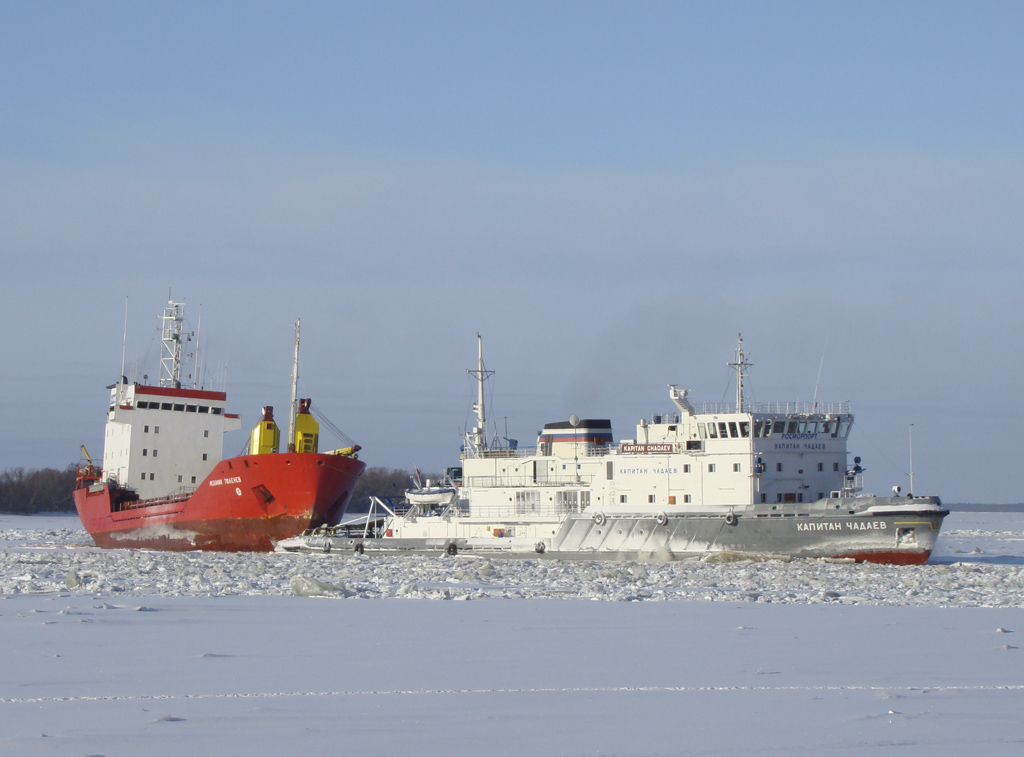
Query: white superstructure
{"x": 742, "y": 478}
{"x": 164, "y": 440}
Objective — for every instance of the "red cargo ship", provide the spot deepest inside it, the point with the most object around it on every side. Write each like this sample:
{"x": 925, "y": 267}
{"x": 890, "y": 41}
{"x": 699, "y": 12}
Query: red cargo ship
{"x": 163, "y": 484}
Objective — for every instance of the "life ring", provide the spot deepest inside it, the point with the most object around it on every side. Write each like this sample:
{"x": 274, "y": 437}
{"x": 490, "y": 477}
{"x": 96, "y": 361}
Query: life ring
{"x": 358, "y": 548}
{"x": 599, "y": 519}
{"x": 452, "y": 548}
{"x": 730, "y": 519}
{"x": 661, "y": 519}
{"x": 539, "y": 549}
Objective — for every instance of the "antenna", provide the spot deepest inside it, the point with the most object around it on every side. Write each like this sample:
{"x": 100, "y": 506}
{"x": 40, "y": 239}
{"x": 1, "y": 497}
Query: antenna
{"x": 124, "y": 349}
{"x": 911, "y": 432}
{"x": 196, "y": 383}
{"x": 814, "y": 401}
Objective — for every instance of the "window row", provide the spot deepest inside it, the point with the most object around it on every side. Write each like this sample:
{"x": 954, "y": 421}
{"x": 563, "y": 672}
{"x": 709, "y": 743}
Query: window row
{"x": 724, "y": 430}
{"x": 152, "y": 477}
{"x": 624, "y": 499}
{"x": 837, "y": 428}
{"x": 179, "y": 407}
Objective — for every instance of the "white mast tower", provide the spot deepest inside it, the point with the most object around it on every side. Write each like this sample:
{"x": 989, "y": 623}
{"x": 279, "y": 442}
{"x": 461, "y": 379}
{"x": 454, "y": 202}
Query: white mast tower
{"x": 171, "y": 333}
{"x": 477, "y": 438}
{"x": 740, "y": 365}
{"x": 290, "y": 445}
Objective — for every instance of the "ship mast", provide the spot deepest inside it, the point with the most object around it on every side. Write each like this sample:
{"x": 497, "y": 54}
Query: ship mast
{"x": 171, "y": 332}
{"x": 740, "y": 366}
{"x": 477, "y": 438}
{"x": 295, "y": 389}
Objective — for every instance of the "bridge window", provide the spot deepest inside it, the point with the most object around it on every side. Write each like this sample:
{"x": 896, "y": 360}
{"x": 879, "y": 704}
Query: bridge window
{"x": 723, "y": 431}
{"x": 745, "y": 429}
{"x": 712, "y": 431}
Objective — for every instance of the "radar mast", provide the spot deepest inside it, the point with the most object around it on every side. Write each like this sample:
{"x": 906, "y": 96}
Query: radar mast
{"x": 477, "y": 438}
{"x": 170, "y": 335}
{"x": 740, "y": 366}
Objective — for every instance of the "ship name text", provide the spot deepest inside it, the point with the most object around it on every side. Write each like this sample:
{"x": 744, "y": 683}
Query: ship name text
{"x": 219, "y": 481}
{"x": 646, "y": 449}
{"x": 867, "y": 525}
{"x": 644, "y": 471}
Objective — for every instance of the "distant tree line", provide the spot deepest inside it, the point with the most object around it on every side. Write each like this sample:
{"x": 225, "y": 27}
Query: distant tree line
{"x": 48, "y": 490}
{"x": 380, "y": 482}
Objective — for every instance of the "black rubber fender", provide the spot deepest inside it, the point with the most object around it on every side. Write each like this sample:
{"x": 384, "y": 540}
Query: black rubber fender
{"x": 731, "y": 519}
{"x": 452, "y": 548}
{"x": 358, "y": 548}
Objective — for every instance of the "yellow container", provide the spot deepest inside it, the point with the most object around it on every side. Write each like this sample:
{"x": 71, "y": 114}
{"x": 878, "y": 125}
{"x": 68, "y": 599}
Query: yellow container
{"x": 307, "y": 430}
{"x": 266, "y": 436}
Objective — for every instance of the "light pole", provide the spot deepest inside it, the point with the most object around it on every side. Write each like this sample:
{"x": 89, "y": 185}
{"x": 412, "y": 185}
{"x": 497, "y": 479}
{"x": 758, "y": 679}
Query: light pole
{"x": 911, "y": 432}
{"x": 574, "y": 421}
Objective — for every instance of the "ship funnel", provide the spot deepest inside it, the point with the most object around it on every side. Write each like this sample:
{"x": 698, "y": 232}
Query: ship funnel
{"x": 307, "y": 430}
{"x": 266, "y": 436}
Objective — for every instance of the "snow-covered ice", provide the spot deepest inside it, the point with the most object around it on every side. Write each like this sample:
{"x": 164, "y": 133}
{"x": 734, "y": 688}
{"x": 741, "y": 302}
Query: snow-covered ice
{"x": 126, "y": 652}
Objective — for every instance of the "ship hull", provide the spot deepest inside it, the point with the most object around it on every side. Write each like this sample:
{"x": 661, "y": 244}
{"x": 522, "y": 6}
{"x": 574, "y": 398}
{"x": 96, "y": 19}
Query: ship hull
{"x": 247, "y": 503}
{"x": 904, "y": 537}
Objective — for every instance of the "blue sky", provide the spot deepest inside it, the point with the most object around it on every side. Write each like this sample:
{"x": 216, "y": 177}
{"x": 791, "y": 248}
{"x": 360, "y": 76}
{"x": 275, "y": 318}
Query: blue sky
{"x": 608, "y": 192}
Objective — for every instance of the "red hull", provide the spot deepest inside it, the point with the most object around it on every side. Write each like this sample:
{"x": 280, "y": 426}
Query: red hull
{"x": 246, "y": 504}
{"x": 890, "y": 557}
